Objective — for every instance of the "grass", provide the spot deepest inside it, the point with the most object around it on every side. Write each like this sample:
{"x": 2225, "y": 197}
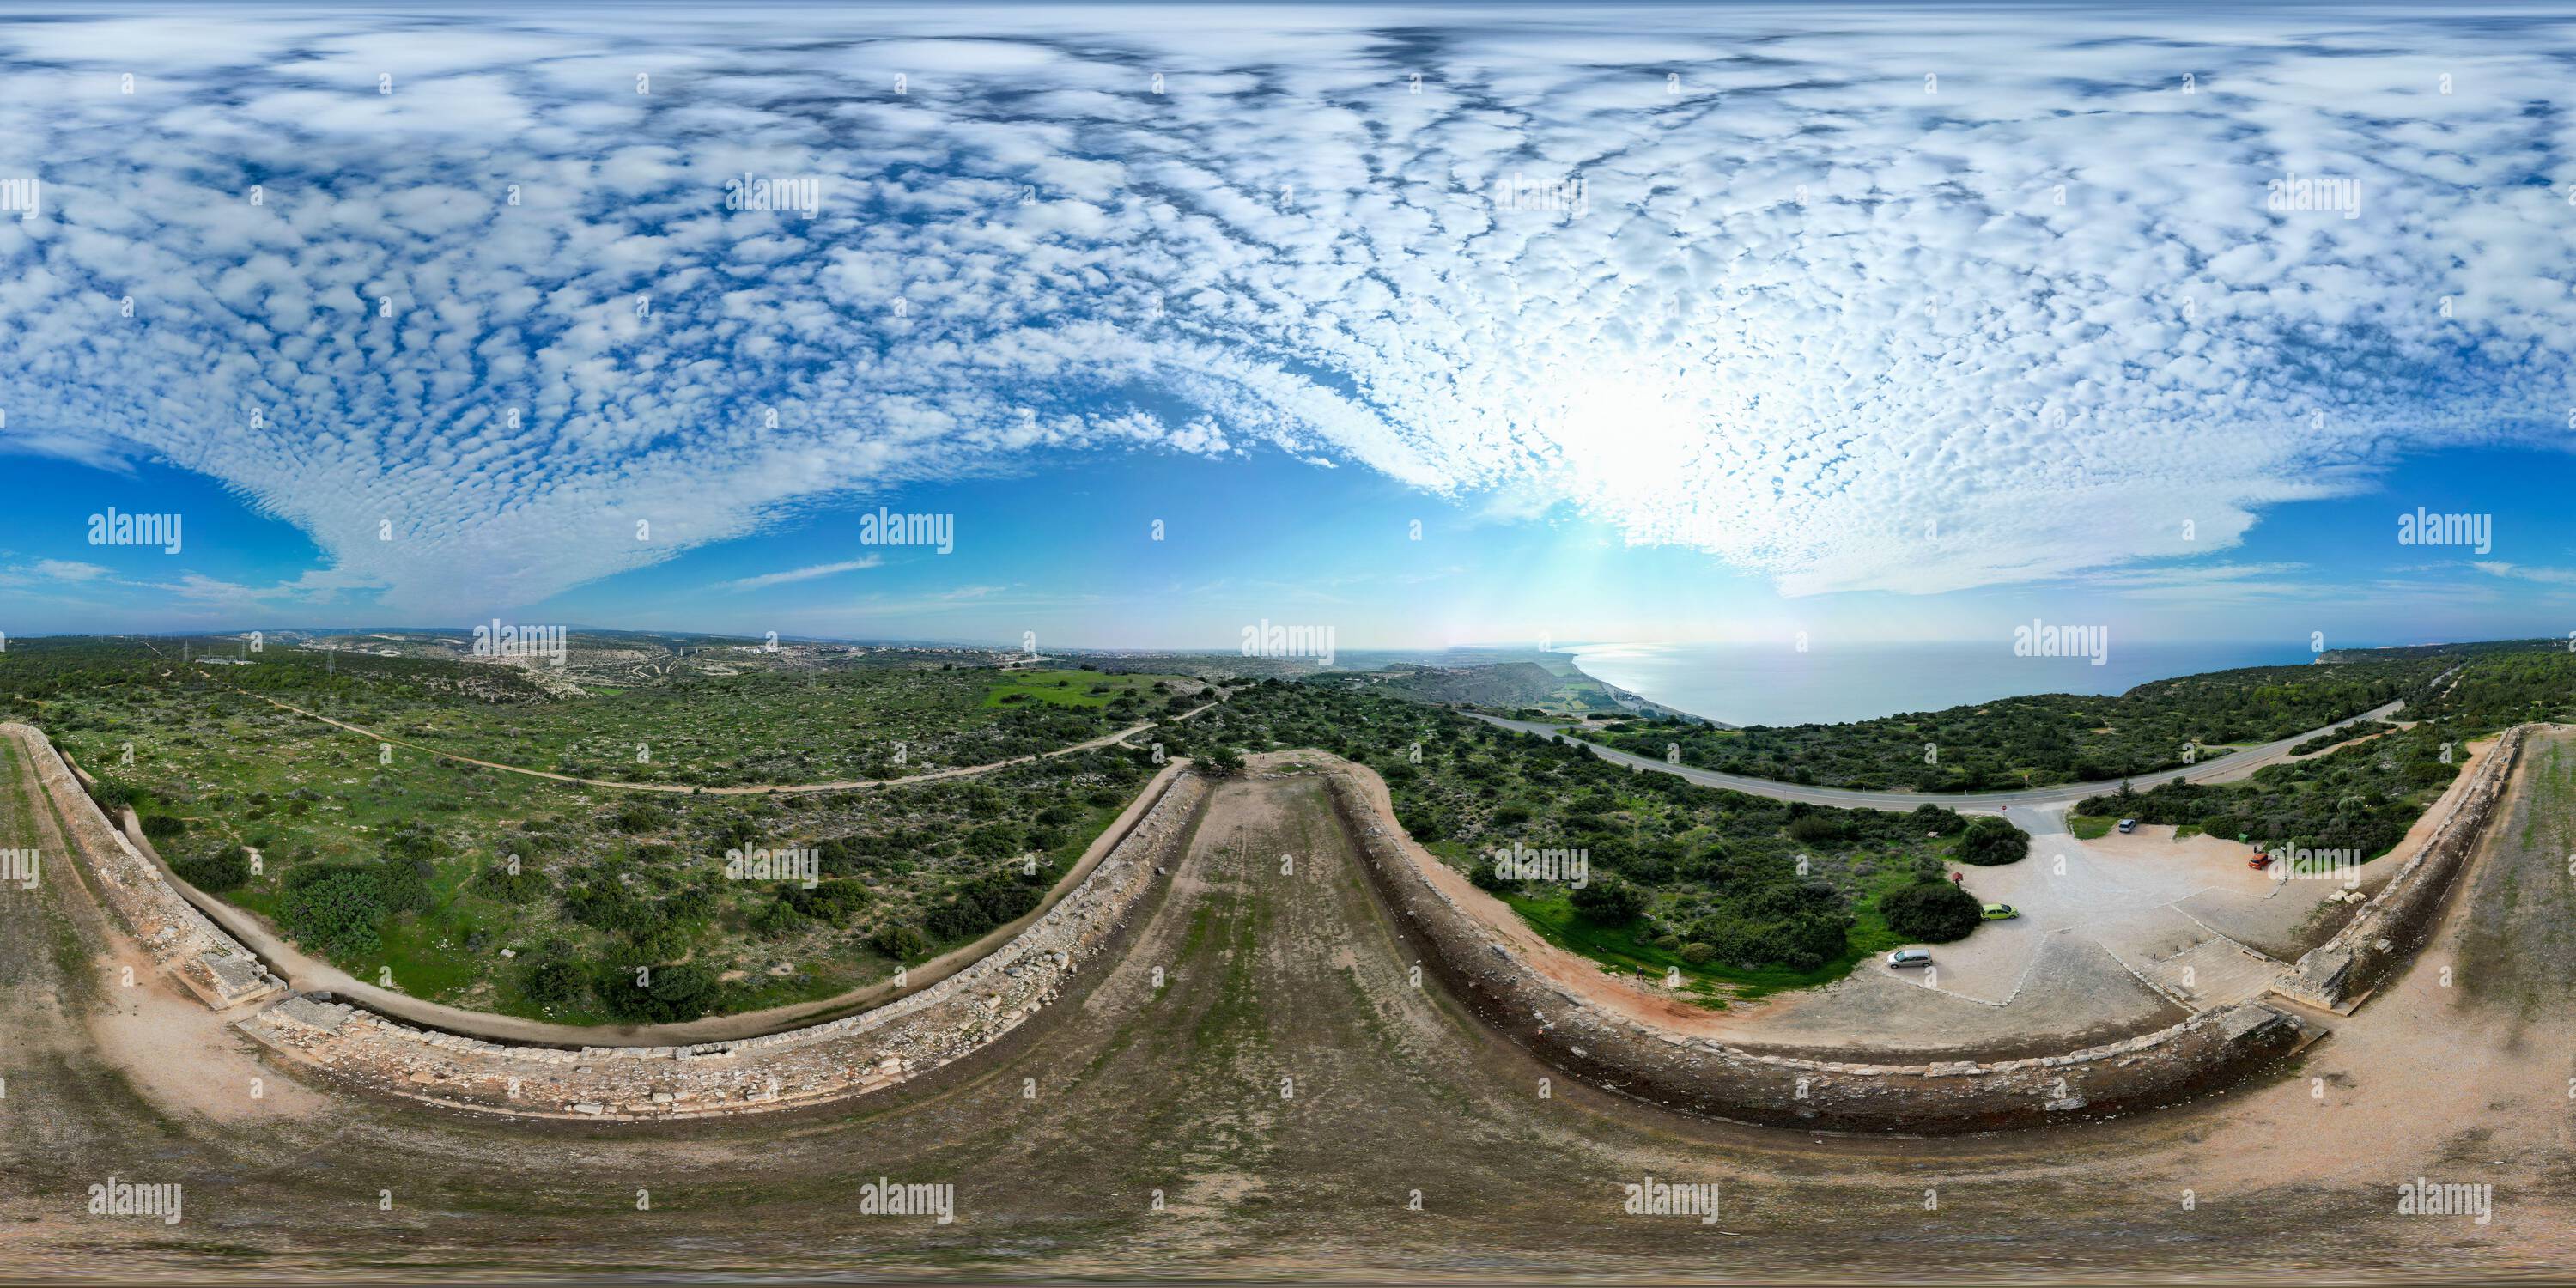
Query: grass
{"x": 2088, "y": 827}
{"x": 303, "y": 793}
{"x": 1618, "y": 948}
{"x": 1076, "y": 688}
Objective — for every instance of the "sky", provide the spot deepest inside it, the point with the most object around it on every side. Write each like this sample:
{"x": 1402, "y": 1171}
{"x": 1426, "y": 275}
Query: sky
{"x": 1508, "y": 325}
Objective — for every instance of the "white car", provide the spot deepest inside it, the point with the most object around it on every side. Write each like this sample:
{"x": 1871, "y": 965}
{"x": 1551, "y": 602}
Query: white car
{"x": 1903, "y": 957}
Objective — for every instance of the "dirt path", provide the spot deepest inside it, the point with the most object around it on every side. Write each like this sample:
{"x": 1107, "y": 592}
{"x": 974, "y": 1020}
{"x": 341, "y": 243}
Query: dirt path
{"x": 745, "y": 789}
{"x": 2227, "y": 768}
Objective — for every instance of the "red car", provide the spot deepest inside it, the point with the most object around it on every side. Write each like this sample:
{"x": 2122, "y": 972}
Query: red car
{"x": 2259, "y": 862}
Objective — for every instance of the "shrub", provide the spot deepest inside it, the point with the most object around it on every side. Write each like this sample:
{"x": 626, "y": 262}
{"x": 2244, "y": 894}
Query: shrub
{"x": 667, "y": 995}
{"x": 900, "y": 940}
{"x": 1991, "y": 842}
{"x": 1938, "y": 820}
{"x": 1931, "y": 912}
{"x": 551, "y": 979}
{"x": 403, "y": 885}
{"x": 162, "y": 827}
{"x": 1818, "y": 829}
{"x": 1609, "y": 901}
{"x": 335, "y": 911}
{"x": 497, "y": 881}
{"x": 831, "y": 901}
{"x": 990, "y": 900}
{"x": 227, "y": 870}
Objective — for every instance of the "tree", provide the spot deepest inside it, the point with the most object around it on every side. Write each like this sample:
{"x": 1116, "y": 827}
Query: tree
{"x": 1609, "y": 901}
{"x": 1931, "y": 912}
{"x": 1992, "y": 842}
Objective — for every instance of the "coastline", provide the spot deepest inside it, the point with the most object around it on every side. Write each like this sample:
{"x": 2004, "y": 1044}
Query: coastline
{"x": 2147, "y": 665}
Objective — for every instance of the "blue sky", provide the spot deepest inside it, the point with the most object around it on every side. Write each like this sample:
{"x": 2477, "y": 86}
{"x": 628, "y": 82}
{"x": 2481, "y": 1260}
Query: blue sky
{"x": 1066, "y": 551}
{"x": 1876, "y": 323}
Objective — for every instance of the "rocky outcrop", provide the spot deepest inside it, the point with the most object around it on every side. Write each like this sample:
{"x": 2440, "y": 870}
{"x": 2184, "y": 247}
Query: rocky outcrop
{"x": 851, "y": 1056}
{"x": 1618, "y": 1053}
{"x": 2338, "y": 973}
{"x": 209, "y": 963}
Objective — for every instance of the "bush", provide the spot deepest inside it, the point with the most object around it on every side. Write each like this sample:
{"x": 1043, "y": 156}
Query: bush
{"x": 497, "y": 881}
{"x": 1992, "y": 842}
{"x": 900, "y": 940}
{"x": 551, "y": 979}
{"x": 1938, "y": 820}
{"x": 991, "y": 900}
{"x": 1931, "y": 912}
{"x": 1609, "y": 901}
{"x": 668, "y": 995}
{"x": 831, "y": 901}
{"x": 227, "y": 870}
{"x": 403, "y": 885}
{"x": 334, "y": 910}
{"x": 162, "y": 827}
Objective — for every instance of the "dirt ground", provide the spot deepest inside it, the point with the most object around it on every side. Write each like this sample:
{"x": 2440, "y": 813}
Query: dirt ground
{"x": 1257, "y": 1089}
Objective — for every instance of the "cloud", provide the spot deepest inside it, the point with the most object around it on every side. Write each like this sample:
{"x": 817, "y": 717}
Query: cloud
{"x": 2523, "y": 572}
{"x": 802, "y": 574}
{"x": 66, "y": 570}
{"x": 1854, "y": 302}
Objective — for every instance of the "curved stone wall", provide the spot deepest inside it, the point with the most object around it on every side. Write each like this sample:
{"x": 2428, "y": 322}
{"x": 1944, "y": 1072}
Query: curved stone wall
{"x": 845, "y": 1057}
{"x": 1621, "y": 1054}
{"x": 2337, "y": 974}
{"x": 182, "y": 941}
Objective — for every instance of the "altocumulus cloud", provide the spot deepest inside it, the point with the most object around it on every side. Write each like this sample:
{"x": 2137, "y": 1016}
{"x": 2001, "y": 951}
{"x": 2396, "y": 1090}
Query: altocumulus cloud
{"x": 1913, "y": 302}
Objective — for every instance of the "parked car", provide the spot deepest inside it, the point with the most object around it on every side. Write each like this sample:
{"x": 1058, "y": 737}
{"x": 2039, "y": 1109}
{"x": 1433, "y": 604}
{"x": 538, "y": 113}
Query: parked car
{"x": 2128, "y": 825}
{"x": 2259, "y": 862}
{"x": 1910, "y": 957}
{"x": 2001, "y": 912}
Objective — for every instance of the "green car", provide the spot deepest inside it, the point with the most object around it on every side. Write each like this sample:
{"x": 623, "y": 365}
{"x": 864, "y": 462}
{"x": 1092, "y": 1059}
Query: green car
{"x": 2000, "y": 912}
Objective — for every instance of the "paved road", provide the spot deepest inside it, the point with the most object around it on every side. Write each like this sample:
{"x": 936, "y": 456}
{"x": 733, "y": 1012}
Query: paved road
{"x": 2222, "y": 769}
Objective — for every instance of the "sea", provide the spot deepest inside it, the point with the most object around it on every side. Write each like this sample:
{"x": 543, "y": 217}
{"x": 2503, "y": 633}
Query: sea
{"x": 1773, "y": 684}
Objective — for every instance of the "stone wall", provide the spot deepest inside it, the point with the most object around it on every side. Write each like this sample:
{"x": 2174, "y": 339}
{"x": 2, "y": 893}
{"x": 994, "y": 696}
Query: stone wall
{"x": 1618, "y": 1053}
{"x": 193, "y": 950}
{"x": 2338, "y": 973}
{"x": 901, "y": 1040}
